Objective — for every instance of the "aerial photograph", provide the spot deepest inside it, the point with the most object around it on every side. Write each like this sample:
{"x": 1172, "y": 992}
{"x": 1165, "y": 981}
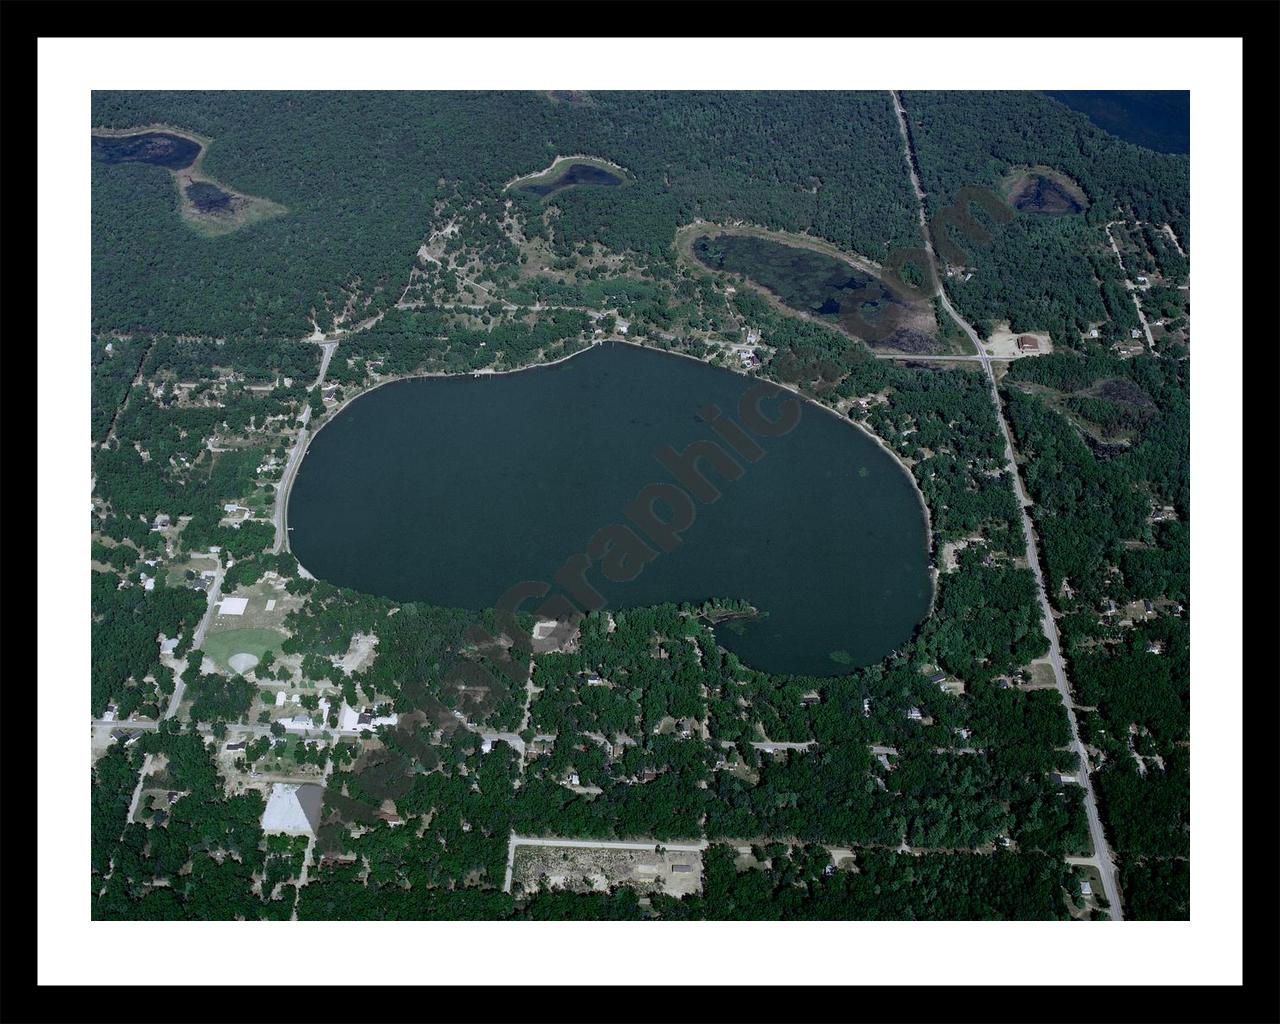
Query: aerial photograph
{"x": 600, "y": 505}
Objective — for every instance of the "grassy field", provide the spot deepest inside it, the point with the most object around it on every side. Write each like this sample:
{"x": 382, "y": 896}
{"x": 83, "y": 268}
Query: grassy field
{"x": 220, "y": 646}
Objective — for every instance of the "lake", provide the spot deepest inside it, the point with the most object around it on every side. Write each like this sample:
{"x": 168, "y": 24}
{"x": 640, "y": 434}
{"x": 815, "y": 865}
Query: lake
{"x": 160, "y": 148}
{"x": 449, "y": 490}
{"x": 574, "y": 174}
{"x": 1158, "y": 119}
{"x": 825, "y": 287}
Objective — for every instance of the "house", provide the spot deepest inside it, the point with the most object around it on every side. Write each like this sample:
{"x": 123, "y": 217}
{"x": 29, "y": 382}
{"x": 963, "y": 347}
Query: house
{"x": 866, "y": 707}
{"x": 1028, "y": 343}
{"x": 168, "y": 646}
{"x": 350, "y": 719}
{"x": 1093, "y": 333}
{"x": 161, "y": 522}
{"x": 573, "y": 779}
{"x": 1085, "y": 888}
{"x": 937, "y": 677}
{"x": 810, "y": 698}
{"x": 594, "y": 680}
{"x": 1155, "y": 647}
{"x": 647, "y": 774}
{"x": 1146, "y": 606}
{"x": 913, "y": 714}
{"x": 391, "y": 819}
{"x": 1135, "y": 333}
{"x": 237, "y": 746}
{"x": 1142, "y": 279}
{"x": 110, "y": 714}
{"x": 1062, "y": 780}
{"x": 299, "y": 723}
{"x": 681, "y": 867}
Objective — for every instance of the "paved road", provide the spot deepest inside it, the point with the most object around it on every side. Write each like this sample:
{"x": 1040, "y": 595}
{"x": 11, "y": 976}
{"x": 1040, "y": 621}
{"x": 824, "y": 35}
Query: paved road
{"x": 211, "y": 610}
{"x": 925, "y": 357}
{"x": 235, "y": 731}
{"x": 1101, "y": 850}
{"x": 286, "y": 481}
{"x": 328, "y": 347}
{"x": 213, "y": 594}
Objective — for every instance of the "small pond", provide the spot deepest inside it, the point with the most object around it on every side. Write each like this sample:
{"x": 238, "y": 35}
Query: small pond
{"x": 573, "y": 174}
{"x": 159, "y": 148}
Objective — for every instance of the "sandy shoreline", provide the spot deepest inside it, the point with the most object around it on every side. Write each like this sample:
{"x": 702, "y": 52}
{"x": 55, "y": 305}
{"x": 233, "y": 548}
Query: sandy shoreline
{"x": 584, "y": 157}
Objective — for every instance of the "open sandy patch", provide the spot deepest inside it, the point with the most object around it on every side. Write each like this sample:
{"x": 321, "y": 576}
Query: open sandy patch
{"x": 242, "y": 662}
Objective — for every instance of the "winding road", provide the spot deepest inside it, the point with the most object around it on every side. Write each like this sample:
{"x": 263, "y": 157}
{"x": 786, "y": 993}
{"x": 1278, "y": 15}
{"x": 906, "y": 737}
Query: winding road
{"x": 1101, "y": 851}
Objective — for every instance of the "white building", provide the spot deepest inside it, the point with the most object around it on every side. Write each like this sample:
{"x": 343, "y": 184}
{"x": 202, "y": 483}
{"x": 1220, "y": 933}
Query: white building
{"x": 293, "y": 809}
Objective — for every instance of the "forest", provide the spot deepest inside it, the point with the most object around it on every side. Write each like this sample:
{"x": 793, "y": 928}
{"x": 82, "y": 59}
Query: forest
{"x": 1039, "y": 272}
{"x": 359, "y": 172}
{"x": 1113, "y": 526}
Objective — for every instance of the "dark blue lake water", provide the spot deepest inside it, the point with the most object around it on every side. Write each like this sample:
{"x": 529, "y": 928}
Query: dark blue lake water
{"x": 450, "y": 490}
{"x": 574, "y": 174}
{"x": 1156, "y": 119}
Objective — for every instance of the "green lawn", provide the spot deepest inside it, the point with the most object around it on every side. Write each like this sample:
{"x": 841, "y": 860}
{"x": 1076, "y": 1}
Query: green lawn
{"x": 223, "y": 644}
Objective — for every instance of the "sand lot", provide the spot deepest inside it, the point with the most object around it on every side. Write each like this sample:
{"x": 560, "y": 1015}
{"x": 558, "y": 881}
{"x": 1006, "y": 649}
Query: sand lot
{"x": 586, "y": 869}
{"x": 1003, "y": 343}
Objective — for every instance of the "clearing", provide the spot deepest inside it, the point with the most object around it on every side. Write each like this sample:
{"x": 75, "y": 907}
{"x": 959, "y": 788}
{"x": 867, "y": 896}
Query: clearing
{"x": 601, "y": 869}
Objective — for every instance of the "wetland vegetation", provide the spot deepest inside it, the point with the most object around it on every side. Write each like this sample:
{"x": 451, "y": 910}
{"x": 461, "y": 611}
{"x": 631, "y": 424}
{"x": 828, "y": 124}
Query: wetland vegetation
{"x": 822, "y": 286}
